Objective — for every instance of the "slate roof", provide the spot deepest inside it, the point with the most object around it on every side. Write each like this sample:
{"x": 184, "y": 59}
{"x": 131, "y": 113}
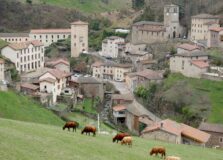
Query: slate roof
{"x": 24, "y": 45}
{"x": 49, "y": 31}
{"x": 29, "y": 86}
{"x": 14, "y": 34}
{"x": 211, "y": 127}
{"x": 188, "y": 47}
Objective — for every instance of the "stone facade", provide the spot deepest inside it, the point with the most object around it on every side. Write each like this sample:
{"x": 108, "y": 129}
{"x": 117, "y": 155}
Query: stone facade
{"x": 153, "y": 32}
{"x": 200, "y": 25}
{"x": 2, "y": 70}
{"x": 215, "y": 37}
{"x": 27, "y": 56}
{"x": 15, "y": 37}
{"x": 79, "y": 38}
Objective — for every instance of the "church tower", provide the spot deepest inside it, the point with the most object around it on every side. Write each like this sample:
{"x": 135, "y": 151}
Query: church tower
{"x": 79, "y": 38}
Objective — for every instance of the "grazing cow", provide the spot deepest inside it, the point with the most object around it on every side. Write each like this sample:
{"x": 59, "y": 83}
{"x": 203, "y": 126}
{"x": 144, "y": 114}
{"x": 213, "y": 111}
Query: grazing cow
{"x": 127, "y": 141}
{"x": 172, "y": 158}
{"x": 119, "y": 137}
{"x": 89, "y": 129}
{"x": 158, "y": 150}
{"x": 71, "y": 124}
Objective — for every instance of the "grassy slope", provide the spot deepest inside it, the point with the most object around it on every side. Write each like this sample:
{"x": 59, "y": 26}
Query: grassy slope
{"x": 13, "y": 106}
{"x": 214, "y": 88}
{"x": 2, "y": 43}
{"x": 22, "y": 140}
{"x": 89, "y": 6}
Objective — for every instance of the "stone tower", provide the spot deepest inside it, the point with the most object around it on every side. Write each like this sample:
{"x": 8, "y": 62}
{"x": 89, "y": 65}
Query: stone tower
{"x": 79, "y": 38}
{"x": 171, "y": 20}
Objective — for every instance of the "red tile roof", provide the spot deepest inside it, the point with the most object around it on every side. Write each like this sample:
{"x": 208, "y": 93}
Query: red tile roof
{"x": 49, "y": 31}
{"x": 188, "y": 47}
{"x": 200, "y": 63}
{"x": 216, "y": 29}
{"x": 50, "y": 80}
{"x": 57, "y": 61}
{"x": 119, "y": 108}
{"x": 29, "y": 86}
{"x": 24, "y": 45}
{"x": 179, "y": 129}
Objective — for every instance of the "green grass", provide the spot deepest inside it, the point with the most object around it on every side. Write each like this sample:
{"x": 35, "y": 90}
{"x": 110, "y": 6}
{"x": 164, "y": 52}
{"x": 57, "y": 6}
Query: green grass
{"x": 2, "y": 43}
{"x": 214, "y": 89}
{"x": 14, "y": 106}
{"x": 25, "y": 141}
{"x": 86, "y": 106}
{"x": 89, "y": 6}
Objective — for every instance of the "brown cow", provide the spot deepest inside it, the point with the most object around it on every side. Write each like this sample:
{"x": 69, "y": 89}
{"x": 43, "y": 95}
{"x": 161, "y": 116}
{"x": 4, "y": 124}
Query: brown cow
{"x": 71, "y": 124}
{"x": 89, "y": 129}
{"x": 119, "y": 137}
{"x": 158, "y": 150}
{"x": 127, "y": 141}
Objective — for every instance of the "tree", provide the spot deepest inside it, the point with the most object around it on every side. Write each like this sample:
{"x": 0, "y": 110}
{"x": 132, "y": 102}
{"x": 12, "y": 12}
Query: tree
{"x": 29, "y": 1}
{"x": 138, "y": 4}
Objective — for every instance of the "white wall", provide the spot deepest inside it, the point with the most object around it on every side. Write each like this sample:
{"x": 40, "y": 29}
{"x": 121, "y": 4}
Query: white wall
{"x": 2, "y": 69}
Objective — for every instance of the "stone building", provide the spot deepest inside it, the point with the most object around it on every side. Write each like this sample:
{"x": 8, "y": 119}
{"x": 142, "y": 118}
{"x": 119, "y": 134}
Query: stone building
{"x": 2, "y": 69}
{"x": 152, "y": 32}
{"x": 187, "y": 48}
{"x": 27, "y": 56}
{"x": 112, "y": 46}
{"x": 49, "y": 36}
{"x": 173, "y": 132}
{"x": 216, "y": 132}
{"x": 15, "y": 37}
{"x": 60, "y": 64}
{"x": 119, "y": 114}
{"x": 200, "y": 25}
{"x": 215, "y": 37}
{"x": 79, "y": 38}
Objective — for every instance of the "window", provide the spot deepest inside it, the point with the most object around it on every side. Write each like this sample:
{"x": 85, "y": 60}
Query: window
{"x": 74, "y": 36}
{"x": 74, "y": 44}
{"x": 221, "y": 139}
{"x": 83, "y": 45}
{"x": 183, "y": 64}
{"x": 63, "y": 36}
{"x": 52, "y": 36}
{"x": 45, "y": 87}
{"x": 58, "y": 36}
{"x": 81, "y": 39}
{"x": 46, "y": 36}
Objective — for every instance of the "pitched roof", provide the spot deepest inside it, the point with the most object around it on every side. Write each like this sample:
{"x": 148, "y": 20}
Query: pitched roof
{"x": 50, "y": 80}
{"x": 88, "y": 80}
{"x": 210, "y": 23}
{"x": 79, "y": 22}
{"x": 148, "y": 61}
{"x": 205, "y": 16}
{"x": 200, "y": 63}
{"x": 119, "y": 108}
{"x": 57, "y": 61}
{"x": 112, "y": 64}
{"x": 49, "y": 31}
{"x": 97, "y": 64}
{"x": 148, "y": 23}
{"x": 14, "y": 34}
{"x": 179, "y": 129}
{"x": 29, "y": 86}
{"x": 216, "y": 29}
{"x": 192, "y": 54}
{"x": 150, "y": 74}
{"x": 59, "y": 74}
{"x": 153, "y": 29}
{"x": 212, "y": 127}
{"x": 188, "y": 47}
{"x": 24, "y": 45}
{"x": 127, "y": 97}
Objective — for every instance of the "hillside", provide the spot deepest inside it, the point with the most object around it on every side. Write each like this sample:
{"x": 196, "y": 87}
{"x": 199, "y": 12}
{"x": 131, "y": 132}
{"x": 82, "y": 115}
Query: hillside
{"x": 17, "y": 107}
{"x": 87, "y": 6}
{"x": 21, "y": 140}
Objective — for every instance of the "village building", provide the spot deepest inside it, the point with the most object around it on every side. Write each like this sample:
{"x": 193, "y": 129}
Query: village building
{"x": 79, "y": 38}
{"x": 146, "y": 64}
{"x": 200, "y": 25}
{"x": 88, "y": 86}
{"x": 142, "y": 78}
{"x": 15, "y": 37}
{"x": 2, "y": 69}
{"x": 187, "y": 48}
{"x": 191, "y": 64}
{"x": 53, "y": 82}
{"x": 110, "y": 70}
{"x": 112, "y": 46}
{"x": 27, "y": 56}
{"x": 215, "y": 37}
{"x": 121, "y": 99}
{"x": 29, "y": 89}
{"x": 119, "y": 114}
{"x": 137, "y": 117}
{"x": 49, "y": 36}
{"x": 216, "y": 132}
{"x": 173, "y": 132}
{"x": 152, "y": 32}
{"x": 60, "y": 64}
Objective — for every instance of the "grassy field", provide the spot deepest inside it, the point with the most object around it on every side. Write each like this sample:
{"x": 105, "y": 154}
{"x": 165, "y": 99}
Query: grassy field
{"x": 214, "y": 90}
{"x": 22, "y": 140}
{"x": 14, "y": 106}
{"x": 89, "y": 6}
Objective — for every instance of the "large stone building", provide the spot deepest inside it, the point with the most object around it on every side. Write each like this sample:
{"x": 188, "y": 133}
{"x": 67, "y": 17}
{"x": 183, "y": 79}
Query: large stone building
{"x": 2, "y": 70}
{"x": 191, "y": 63}
{"x": 79, "y": 38}
{"x": 215, "y": 37}
{"x": 49, "y": 36}
{"x": 151, "y": 32}
{"x": 27, "y": 56}
{"x": 60, "y": 64}
{"x": 15, "y": 37}
{"x": 200, "y": 25}
{"x": 111, "y": 71}
{"x": 111, "y": 46}
{"x": 216, "y": 132}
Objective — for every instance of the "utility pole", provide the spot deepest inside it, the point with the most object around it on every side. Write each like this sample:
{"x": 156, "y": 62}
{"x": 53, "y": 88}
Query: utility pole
{"x": 98, "y": 123}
